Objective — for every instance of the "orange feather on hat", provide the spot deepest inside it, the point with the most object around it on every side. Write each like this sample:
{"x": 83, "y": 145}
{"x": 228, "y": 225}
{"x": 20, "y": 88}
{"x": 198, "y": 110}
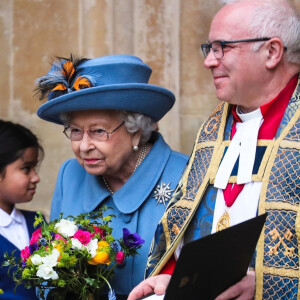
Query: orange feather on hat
{"x": 62, "y": 78}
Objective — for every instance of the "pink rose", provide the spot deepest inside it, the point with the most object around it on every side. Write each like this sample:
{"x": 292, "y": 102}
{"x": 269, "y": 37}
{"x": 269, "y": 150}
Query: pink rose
{"x": 83, "y": 236}
{"x": 59, "y": 237}
{"x": 36, "y": 235}
{"x": 120, "y": 257}
{"x": 25, "y": 253}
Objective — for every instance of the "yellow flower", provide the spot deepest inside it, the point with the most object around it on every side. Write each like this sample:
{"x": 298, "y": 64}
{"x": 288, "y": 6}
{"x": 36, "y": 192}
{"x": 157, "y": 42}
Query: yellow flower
{"x": 73, "y": 260}
{"x": 26, "y": 273}
{"x": 102, "y": 256}
{"x": 102, "y": 244}
{"x": 38, "y": 220}
{"x": 58, "y": 247}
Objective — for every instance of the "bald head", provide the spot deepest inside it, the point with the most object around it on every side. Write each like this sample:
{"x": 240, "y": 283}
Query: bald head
{"x": 268, "y": 18}
{"x": 232, "y": 21}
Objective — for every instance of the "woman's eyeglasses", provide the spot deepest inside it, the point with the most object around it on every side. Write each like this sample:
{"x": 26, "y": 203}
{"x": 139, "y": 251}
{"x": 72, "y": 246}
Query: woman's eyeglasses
{"x": 100, "y": 135}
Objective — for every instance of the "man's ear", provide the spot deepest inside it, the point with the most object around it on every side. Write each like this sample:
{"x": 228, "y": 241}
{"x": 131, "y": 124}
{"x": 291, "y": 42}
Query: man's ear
{"x": 275, "y": 51}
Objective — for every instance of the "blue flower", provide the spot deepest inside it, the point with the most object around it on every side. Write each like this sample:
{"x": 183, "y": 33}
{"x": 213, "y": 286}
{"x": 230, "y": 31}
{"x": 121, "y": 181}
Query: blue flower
{"x": 112, "y": 295}
{"x": 132, "y": 240}
{"x": 115, "y": 246}
{"x": 43, "y": 241}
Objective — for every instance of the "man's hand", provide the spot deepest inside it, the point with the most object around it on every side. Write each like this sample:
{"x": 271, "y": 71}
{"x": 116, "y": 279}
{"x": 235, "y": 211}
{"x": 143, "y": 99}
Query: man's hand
{"x": 243, "y": 290}
{"x": 156, "y": 284}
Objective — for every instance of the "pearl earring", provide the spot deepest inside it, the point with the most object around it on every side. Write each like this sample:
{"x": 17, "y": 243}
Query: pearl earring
{"x": 135, "y": 148}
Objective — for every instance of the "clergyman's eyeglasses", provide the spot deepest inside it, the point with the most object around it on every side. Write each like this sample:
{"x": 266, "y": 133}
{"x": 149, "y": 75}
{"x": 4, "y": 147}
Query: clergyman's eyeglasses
{"x": 217, "y": 47}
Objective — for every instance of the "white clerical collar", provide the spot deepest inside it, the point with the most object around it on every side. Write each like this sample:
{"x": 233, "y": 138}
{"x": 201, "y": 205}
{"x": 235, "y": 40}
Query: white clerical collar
{"x": 248, "y": 116}
{"x": 6, "y": 219}
{"x": 242, "y": 146}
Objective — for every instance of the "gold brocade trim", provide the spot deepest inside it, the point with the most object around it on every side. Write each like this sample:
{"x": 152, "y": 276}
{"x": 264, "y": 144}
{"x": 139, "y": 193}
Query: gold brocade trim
{"x": 289, "y": 144}
{"x": 204, "y": 145}
{"x": 292, "y": 145}
{"x": 297, "y": 229}
{"x": 188, "y": 169}
{"x": 281, "y": 206}
{"x": 260, "y": 268}
{"x": 216, "y": 161}
{"x": 233, "y": 179}
{"x": 281, "y": 272}
{"x": 266, "y": 157}
{"x": 165, "y": 258}
{"x": 164, "y": 220}
{"x": 185, "y": 203}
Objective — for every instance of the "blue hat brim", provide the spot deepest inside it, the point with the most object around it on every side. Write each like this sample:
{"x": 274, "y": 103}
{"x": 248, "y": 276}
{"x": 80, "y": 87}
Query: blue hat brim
{"x": 151, "y": 100}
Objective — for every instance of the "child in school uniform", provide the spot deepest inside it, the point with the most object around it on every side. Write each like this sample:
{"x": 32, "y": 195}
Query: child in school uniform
{"x": 20, "y": 153}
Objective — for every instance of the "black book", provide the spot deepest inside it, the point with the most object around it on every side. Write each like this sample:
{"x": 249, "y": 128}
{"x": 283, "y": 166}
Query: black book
{"x": 208, "y": 266}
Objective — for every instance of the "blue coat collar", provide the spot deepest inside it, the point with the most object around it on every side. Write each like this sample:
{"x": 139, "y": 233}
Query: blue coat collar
{"x": 136, "y": 190}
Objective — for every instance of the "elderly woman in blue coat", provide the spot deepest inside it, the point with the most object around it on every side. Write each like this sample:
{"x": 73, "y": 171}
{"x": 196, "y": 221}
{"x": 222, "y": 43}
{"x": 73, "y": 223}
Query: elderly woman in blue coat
{"x": 109, "y": 113}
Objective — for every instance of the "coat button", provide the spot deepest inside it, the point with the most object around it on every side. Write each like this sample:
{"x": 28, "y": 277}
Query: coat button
{"x": 126, "y": 218}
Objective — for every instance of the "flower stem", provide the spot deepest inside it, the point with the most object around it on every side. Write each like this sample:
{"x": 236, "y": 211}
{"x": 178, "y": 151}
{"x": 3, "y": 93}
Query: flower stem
{"x": 109, "y": 286}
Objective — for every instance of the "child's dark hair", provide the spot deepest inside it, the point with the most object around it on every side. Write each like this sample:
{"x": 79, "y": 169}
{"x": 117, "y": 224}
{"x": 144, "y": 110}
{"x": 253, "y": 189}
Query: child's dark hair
{"x": 14, "y": 139}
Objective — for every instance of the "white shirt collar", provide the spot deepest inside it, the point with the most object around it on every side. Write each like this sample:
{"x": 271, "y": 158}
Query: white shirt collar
{"x": 6, "y": 219}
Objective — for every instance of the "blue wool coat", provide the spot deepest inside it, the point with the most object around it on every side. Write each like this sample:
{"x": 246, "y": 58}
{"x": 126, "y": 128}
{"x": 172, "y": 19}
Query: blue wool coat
{"x": 6, "y": 282}
{"x": 134, "y": 204}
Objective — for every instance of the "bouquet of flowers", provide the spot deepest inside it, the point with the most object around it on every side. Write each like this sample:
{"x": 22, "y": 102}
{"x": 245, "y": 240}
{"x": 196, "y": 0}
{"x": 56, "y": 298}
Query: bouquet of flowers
{"x": 73, "y": 255}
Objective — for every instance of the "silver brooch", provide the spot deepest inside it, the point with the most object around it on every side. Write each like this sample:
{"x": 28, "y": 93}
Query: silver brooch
{"x": 163, "y": 193}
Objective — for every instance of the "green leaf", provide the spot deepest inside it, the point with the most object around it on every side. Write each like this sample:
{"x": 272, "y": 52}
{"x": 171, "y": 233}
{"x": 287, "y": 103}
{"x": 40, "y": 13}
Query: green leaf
{"x": 93, "y": 282}
{"x": 5, "y": 264}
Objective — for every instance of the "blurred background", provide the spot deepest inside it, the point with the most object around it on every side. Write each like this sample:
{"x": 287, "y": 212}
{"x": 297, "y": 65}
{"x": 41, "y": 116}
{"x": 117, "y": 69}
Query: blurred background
{"x": 166, "y": 34}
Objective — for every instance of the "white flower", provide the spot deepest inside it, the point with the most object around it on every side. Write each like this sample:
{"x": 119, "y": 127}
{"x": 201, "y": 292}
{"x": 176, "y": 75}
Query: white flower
{"x": 36, "y": 259}
{"x": 77, "y": 244}
{"x": 46, "y": 272}
{"x": 66, "y": 227}
{"x": 92, "y": 246}
{"x": 51, "y": 259}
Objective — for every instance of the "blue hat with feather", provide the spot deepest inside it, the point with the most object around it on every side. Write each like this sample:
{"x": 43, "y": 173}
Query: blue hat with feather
{"x": 116, "y": 82}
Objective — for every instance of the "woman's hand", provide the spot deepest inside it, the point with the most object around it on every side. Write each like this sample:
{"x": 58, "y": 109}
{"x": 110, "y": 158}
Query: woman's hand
{"x": 243, "y": 290}
{"x": 156, "y": 284}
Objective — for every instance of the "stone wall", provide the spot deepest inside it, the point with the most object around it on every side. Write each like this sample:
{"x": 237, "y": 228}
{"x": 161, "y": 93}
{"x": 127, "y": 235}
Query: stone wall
{"x": 166, "y": 34}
